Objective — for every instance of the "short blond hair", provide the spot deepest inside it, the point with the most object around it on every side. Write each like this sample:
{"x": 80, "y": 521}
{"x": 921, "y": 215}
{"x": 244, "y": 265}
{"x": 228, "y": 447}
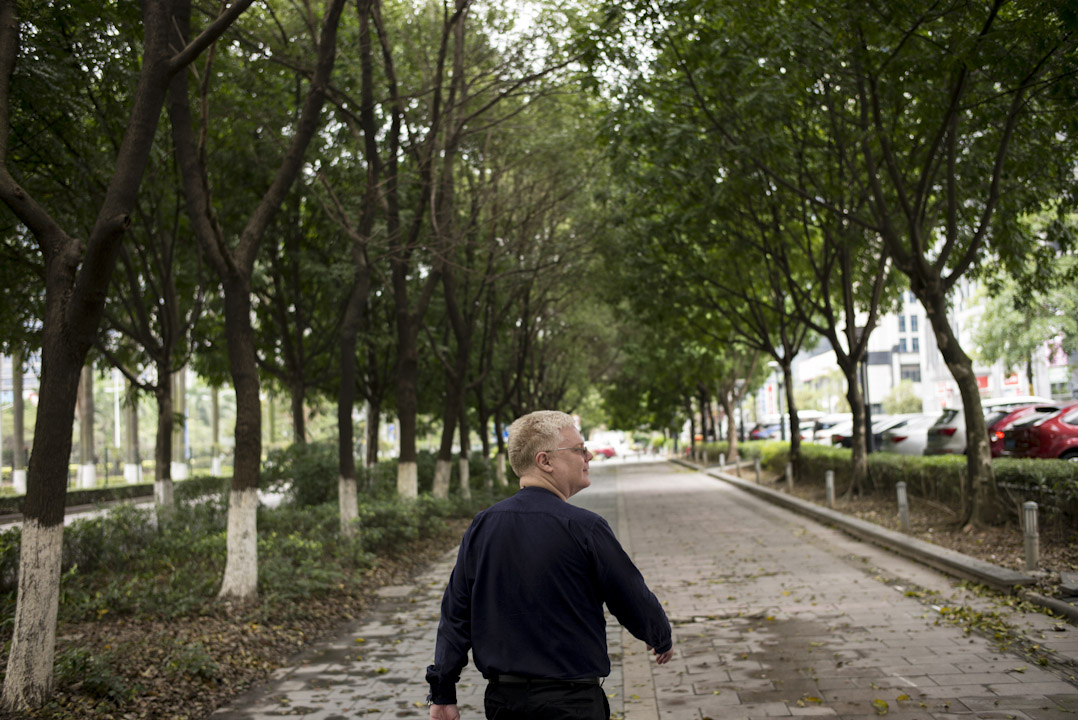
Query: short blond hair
{"x": 533, "y": 433}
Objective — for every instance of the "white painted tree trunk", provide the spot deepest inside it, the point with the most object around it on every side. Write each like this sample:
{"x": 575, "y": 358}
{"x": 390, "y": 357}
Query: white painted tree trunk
{"x": 18, "y": 480}
{"x": 178, "y": 467}
{"x": 408, "y": 480}
{"x": 87, "y": 467}
{"x": 87, "y": 476}
{"x": 465, "y": 480}
{"x": 442, "y": 471}
{"x": 215, "y": 466}
{"x": 28, "y": 682}
{"x": 499, "y": 470}
{"x": 349, "y": 502}
{"x": 163, "y": 500}
{"x": 132, "y": 466}
{"x": 241, "y": 568}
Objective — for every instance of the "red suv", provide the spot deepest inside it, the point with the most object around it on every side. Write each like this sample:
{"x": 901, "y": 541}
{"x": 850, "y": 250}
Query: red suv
{"x": 1053, "y": 436}
{"x": 999, "y": 421}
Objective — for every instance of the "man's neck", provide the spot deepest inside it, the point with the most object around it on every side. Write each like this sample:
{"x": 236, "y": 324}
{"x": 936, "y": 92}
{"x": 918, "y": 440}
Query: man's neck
{"x": 541, "y": 481}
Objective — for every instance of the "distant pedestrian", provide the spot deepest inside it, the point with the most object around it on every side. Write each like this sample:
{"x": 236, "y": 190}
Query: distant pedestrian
{"x": 526, "y": 595}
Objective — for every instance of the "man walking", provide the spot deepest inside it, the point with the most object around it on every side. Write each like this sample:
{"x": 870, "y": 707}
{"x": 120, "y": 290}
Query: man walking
{"x": 526, "y": 595}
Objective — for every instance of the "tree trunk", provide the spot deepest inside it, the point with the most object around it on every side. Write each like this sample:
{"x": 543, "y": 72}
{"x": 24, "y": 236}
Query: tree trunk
{"x": 450, "y": 413}
{"x": 240, "y": 581}
{"x": 18, "y": 456}
{"x": 407, "y": 399}
{"x": 162, "y": 472}
{"x": 215, "y": 430}
{"x": 296, "y": 398}
{"x": 87, "y": 464}
{"x": 465, "y": 451}
{"x": 984, "y": 508}
{"x": 499, "y": 468}
{"x": 28, "y": 681}
{"x": 179, "y": 414}
{"x": 347, "y": 491}
{"x": 732, "y": 452}
{"x": 859, "y": 467}
{"x": 132, "y": 455}
{"x": 374, "y": 419}
{"x": 692, "y": 428}
{"x": 795, "y": 431}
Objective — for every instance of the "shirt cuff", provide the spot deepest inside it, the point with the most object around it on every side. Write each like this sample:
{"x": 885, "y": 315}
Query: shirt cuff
{"x": 666, "y": 645}
{"x": 442, "y": 691}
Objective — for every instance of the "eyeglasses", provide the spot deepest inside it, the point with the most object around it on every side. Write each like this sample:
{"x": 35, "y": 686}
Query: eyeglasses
{"x": 580, "y": 450}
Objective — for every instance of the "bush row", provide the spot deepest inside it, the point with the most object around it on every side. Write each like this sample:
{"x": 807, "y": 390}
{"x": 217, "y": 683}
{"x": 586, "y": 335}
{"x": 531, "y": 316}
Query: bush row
{"x": 124, "y": 563}
{"x": 1053, "y": 484}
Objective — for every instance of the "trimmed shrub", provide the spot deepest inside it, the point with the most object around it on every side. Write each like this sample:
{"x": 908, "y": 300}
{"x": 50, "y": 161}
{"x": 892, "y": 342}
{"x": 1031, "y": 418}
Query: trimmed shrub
{"x": 1052, "y": 484}
{"x": 306, "y": 471}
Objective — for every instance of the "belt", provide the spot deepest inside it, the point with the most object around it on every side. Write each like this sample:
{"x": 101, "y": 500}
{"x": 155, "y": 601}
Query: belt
{"x": 519, "y": 679}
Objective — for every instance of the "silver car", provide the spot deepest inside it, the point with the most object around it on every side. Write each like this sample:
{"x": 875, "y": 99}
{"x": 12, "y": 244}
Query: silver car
{"x": 908, "y": 437}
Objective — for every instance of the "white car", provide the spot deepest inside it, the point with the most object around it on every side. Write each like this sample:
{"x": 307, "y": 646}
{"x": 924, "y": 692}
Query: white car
{"x": 821, "y": 432}
{"x": 908, "y": 437}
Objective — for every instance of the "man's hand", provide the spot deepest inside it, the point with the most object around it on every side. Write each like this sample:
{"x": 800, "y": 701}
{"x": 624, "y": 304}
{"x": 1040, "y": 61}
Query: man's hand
{"x": 660, "y": 658}
{"x": 444, "y": 712}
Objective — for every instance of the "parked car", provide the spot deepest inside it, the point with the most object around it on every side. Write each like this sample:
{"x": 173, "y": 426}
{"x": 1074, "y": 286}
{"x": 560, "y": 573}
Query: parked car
{"x": 885, "y": 423}
{"x": 841, "y": 433}
{"x": 948, "y": 435}
{"x": 821, "y": 429}
{"x": 763, "y": 432}
{"x": 908, "y": 437}
{"x": 604, "y": 452}
{"x": 1053, "y": 435}
{"x": 1000, "y": 421}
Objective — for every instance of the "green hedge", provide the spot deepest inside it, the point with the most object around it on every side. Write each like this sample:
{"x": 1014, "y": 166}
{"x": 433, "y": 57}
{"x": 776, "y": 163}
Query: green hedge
{"x": 12, "y": 505}
{"x": 766, "y": 450}
{"x": 1053, "y": 484}
{"x": 123, "y": 562}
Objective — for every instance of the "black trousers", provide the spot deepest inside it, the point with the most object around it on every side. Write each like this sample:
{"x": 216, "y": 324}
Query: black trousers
{"x": 546, "y": 700}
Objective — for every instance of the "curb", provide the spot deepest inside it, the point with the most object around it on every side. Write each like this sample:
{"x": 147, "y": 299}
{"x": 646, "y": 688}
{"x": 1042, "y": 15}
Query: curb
{"x": 948, "y": 561}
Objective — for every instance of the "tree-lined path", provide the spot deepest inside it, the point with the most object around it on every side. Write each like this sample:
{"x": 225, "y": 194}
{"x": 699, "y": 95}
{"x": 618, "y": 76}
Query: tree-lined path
{"x": 774, "y": 616}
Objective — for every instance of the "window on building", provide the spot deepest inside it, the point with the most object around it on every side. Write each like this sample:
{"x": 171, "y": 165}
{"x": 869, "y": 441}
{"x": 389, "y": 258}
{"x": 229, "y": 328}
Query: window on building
{"x": 902, "y": 345}
{"x": 911, "y": 373}
{"x": 915, "y": 344}
{"x": 913, "y": 323}
{"x": 912, "y": 297}
{"x": 902, "y": 323}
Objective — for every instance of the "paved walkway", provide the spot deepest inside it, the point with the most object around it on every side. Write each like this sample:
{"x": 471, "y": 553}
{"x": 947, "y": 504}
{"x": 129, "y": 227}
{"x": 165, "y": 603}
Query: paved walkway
{"x": 774, "y": 616}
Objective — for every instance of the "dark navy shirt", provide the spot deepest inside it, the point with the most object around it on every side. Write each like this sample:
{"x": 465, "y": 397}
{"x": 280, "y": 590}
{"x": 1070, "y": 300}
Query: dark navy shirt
{"x": 527, "y": 594}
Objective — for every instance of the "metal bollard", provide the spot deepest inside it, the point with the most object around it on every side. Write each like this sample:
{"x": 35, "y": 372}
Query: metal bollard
{"x": 903, "y": 507}
{"x": 722, "y": 461}
{"x": 790, "y": 476}
{"x": 829, "y": 483}
{"x": 757, "y": 464}
{"x": 1033, "y": 541}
